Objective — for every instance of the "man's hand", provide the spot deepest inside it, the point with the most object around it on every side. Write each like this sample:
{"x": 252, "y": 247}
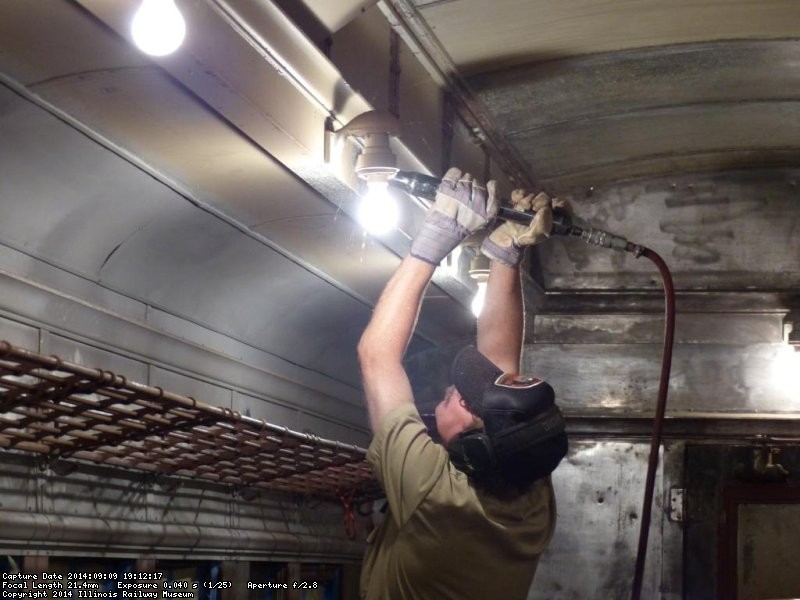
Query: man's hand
{"x": 462, "y": 207}
{"x": 507, "y": 242}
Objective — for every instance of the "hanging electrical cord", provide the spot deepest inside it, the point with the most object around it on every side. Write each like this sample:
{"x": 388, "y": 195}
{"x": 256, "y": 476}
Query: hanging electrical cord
{"x": 424, "y": 186}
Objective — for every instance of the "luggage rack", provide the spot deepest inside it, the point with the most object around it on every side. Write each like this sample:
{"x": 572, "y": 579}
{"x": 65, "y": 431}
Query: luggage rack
{"x": 63, "y": 410}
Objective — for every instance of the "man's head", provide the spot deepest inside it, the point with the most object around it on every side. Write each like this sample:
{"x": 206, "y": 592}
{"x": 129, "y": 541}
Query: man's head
{"x": 499, "y": 423}
{"x": 453, "y": 417}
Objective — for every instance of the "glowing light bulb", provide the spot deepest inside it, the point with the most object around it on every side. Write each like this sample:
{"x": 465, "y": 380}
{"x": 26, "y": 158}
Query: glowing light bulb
{"x": 378, "y": 211}
{"x": 479, "y": 299}
{"x": 158, "y": 27}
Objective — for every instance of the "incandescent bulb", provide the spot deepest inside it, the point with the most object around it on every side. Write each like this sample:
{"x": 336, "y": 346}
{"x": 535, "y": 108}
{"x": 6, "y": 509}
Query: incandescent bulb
{"x": 158, "y": 27}
{"x": 378, "y": 211}
{"x": 479, "y": 299}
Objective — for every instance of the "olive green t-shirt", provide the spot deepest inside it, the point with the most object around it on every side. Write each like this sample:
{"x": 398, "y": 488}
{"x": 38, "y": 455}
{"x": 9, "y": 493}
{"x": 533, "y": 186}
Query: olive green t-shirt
{"x": 441, "y": 538}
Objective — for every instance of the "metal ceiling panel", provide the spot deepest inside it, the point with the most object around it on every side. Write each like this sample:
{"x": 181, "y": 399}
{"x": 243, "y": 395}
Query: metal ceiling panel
{"x": 42, "y": 40}
{"x": 638, "y": 142}
{"x": 63, "y": 199}
{"x": 173, "y": 131}
{"x": 602, "y": 85}
{"x": 481, "y": 36}
{"x": 637, "y": 112}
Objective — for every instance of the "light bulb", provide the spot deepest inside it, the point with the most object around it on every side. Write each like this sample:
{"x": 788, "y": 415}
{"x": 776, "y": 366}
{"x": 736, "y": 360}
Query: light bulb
{"x": 479, "y": 299}
{"x": 378, "y": 211}
{"x": 158, "y": 27}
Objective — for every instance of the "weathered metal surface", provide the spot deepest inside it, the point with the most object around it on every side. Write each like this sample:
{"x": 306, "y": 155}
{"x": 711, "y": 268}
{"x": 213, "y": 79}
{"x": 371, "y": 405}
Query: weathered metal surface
{"x": 693, "y": 328}
{"x": 647, "y": 111}
{"x": 584, "y": 88}
{"x": 480, "y": 35}
{"x": 756, "y": 378}
{"x": 708, "y": 428}
{"x": 727, "y": 232}
{"x": 645, "y": 140}
{"x": 687, "y": 301}
{"x": 598, "y": 490}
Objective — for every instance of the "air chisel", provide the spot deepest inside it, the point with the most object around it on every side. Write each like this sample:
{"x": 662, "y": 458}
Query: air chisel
{"x": 424, "y": 186}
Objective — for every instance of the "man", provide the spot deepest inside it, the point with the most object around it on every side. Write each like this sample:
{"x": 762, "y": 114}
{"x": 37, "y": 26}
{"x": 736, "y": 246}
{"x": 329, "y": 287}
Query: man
{"x": 468, "y": 519}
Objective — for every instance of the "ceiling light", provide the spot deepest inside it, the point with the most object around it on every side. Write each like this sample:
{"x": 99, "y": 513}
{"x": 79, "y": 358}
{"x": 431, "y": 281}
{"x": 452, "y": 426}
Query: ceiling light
{"x": 378, "y": 210}
{"x": 373, "y": 128}
{"x": 158, "y": 27}
{"x": 479, "y": 271}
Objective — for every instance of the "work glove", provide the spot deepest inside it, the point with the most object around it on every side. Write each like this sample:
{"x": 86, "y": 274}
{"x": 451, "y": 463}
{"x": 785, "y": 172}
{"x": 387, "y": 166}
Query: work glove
{"x": 506, "y": 244}
{"x": 462, "y": 206}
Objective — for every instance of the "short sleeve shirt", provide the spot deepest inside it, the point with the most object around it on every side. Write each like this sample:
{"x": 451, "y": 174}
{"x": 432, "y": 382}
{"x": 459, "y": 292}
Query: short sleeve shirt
{"x": 442, "y": 538}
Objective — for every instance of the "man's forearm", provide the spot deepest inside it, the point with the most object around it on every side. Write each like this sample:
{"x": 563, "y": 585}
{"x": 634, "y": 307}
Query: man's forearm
{"x": 384, "y": 341}
{"x": 395, "y": 314}
{"x": 501, "y": 324}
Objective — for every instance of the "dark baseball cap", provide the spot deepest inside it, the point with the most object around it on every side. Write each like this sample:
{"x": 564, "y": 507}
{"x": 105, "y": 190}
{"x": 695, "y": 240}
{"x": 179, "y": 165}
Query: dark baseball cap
{"x": 500, "y": 399}
{"x": 519, "y": 413}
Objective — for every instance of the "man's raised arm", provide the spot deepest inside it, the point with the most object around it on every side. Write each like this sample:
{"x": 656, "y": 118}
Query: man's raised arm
{"x": 501, "y": 324}
{"x": 462, "y": 206}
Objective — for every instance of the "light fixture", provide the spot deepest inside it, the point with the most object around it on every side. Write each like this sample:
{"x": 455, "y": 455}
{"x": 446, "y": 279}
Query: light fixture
{"x": 375, "y": 165}
{"x": 158, "y": 27}
{"x": 479, "y": 271}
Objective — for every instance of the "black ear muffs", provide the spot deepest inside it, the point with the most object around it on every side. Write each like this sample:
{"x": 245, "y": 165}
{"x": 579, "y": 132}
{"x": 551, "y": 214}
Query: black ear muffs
{"x": 535, "y": 446}
{"x": 472, "y": 452}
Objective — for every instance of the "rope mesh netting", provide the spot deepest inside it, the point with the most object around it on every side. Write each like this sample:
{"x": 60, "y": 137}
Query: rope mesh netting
{"x": 63, "y": 410}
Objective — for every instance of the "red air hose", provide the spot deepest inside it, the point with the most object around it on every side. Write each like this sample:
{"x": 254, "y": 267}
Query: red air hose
{"x": 661, "y": 407}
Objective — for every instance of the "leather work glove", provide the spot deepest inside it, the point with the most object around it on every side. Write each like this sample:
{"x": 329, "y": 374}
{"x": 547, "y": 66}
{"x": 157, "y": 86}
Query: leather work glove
{"x": 506, "y": 244}
{"x": 462, "y": 206}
